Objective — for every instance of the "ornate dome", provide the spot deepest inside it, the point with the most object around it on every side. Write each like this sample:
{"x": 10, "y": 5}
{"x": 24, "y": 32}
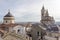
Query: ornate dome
{"x": 8, "y": 15}
{"x": 8, "y": 18}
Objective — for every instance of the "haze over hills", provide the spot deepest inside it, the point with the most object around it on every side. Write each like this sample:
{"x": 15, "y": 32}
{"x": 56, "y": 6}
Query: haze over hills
{"x": 58, "y": 23}
{"x": 31, "y": 22}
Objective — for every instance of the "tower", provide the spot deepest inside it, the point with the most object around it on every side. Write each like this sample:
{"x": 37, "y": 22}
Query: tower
{"x": 8, "y": 18}
{"x": 42, "y": 12}
{"x": 46, "y": 14}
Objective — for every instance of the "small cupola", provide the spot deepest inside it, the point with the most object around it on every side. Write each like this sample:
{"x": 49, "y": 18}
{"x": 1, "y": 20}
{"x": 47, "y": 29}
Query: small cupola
{"x": 8, "y": 14}
{"x": 8, "y": 18}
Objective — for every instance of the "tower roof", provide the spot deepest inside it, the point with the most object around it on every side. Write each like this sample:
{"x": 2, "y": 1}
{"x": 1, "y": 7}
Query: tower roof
{"x": 43, "y": 7}
{"x": 47, "y": 14}
{"x": 8, "y": 14}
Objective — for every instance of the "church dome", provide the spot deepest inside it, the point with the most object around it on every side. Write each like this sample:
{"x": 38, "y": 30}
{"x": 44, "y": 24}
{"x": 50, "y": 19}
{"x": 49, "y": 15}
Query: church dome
{"x": 8, "y": 18}
{"x": 8, "y": 15}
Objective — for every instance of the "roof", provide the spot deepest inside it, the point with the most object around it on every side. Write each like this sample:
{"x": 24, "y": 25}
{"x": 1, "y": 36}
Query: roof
{"x": 8, "y": 15}
{"x": 53, "y": 28}
{"x": 43, "y": 7}
{"x": 7, "y": 25}
{"x": 36, "y": 26}
{"x": 12, "y": 34}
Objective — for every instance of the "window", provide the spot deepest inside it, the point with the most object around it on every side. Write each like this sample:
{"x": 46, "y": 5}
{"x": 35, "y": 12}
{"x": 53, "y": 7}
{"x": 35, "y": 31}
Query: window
{"x": 37, "y": 33}
{"x": 18, "y": 30}
{"x": 26, "y": 37}
{"x": 29, "y": 35}
{"x": 6, "y": 21}
{"x": 39, "y": 39}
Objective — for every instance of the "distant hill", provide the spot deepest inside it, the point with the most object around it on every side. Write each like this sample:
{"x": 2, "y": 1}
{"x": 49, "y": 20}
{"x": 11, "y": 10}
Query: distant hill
{"x": 26, "y": 22}
{"x": 58, "y": 23}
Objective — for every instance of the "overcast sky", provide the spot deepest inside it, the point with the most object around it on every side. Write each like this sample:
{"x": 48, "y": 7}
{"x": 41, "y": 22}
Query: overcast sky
{"x": 29, "y": 10}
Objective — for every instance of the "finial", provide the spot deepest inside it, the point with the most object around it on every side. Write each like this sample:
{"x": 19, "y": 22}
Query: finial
{"x": 8, "y": 11}
{"x": 43, "y": 7}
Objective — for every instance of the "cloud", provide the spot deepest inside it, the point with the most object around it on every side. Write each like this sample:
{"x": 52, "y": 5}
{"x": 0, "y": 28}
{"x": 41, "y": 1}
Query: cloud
{"x": 29, "y": 10}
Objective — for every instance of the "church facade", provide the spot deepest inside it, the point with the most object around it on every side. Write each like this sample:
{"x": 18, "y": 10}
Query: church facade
{"x": 48, "y": 24}
{"x": 45, "y": 18}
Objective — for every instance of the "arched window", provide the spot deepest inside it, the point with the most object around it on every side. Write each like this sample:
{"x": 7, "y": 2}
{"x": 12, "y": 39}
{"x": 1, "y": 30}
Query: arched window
{"x": 37, "y": 33}
{"x": 6, "y": 21}
{"x": 18, "y": 30}
{"x": 39, "y": 39}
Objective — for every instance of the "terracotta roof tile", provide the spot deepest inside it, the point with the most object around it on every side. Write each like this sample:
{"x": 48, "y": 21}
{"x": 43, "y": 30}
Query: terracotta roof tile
{"x": 8, "y": 25}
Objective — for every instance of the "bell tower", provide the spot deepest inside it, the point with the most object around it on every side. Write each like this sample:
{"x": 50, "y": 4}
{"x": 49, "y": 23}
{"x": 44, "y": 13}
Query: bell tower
{"x": 8, "y": 18}
{"x": 47, "y": 14}
{"x": 42, "y": 12}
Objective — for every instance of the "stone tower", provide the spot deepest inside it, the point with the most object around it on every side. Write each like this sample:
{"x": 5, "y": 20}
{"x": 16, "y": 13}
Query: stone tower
{"x": 42, "y": 12}
{"x": 45, "y": 18}
{"x": 8, "y": 18}
{"x": 46, "y": 14}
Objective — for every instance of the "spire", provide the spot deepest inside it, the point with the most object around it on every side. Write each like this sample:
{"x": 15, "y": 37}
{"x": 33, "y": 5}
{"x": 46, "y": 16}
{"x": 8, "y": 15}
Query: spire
{"x": 43, "y": 7}
{"x": 8, "y": 14}
{"x": 8, "y": 11}
{"x": 47, "y": 13}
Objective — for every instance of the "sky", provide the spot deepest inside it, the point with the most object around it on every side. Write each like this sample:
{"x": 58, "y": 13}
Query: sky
{"x": 29, "y": 10}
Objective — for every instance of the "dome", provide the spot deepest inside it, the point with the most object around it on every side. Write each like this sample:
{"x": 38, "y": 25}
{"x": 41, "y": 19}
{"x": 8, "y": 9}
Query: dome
{"x": 8, "y": 15}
